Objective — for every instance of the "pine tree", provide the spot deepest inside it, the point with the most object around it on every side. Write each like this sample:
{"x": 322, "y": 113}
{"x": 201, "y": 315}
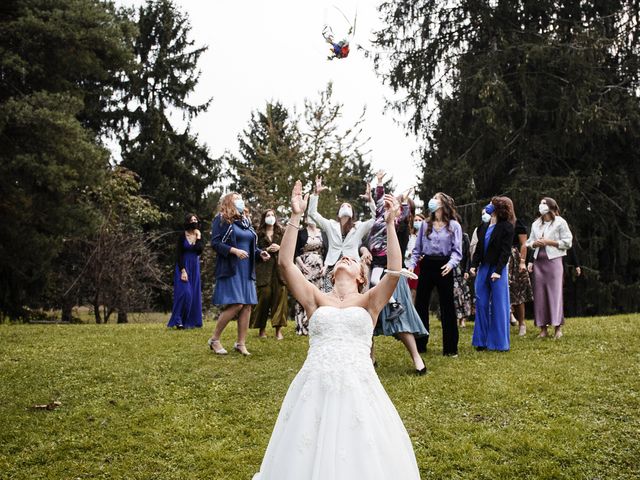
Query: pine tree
{"x": 531, "y": 99}
{"x": 270, "y": 160}
{"x": 175, "y": 168}
{"x": 335, "y": 152}
{"x": 59, "y": 65}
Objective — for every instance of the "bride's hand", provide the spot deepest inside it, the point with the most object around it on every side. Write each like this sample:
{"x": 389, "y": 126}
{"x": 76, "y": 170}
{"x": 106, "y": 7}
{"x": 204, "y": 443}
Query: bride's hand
{"x": 298, "y": 202}
{"x": 390, "y": 207}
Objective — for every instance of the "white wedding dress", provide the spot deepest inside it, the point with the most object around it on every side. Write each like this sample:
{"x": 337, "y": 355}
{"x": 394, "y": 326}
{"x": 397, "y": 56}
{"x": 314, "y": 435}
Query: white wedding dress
{"x": 336, "y": 421}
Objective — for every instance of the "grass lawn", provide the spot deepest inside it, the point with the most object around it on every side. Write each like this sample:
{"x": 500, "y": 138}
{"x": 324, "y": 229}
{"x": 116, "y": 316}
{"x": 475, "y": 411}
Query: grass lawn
{"x": 139, "y": 401}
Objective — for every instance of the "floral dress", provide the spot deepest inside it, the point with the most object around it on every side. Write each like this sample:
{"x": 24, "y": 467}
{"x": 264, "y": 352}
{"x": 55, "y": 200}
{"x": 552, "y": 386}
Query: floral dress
{"x": 312, "y": 255}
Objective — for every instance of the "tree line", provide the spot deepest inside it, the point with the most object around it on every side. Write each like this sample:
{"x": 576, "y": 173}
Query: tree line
{"x": 530, "y": 99}
{"x": 509, "y": 97}
{"x": 95, "y": 175}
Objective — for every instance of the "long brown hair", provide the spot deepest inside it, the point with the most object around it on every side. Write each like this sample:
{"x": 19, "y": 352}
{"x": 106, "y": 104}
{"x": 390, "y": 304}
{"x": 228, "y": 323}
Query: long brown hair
{"x": 504, "y": 209}
{"x": 554, "y": 209}
{"x": 448, "y": 212}
{"x": 262, "y": 228}
{"x": 346, "y": 228}
{"x": 227, "y": 208}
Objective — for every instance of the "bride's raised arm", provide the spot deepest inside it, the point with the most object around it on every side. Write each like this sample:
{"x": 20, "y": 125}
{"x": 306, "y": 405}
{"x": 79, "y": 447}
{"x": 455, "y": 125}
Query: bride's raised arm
{"x": 302, "y": 290}
{"x": 381, "y": 293}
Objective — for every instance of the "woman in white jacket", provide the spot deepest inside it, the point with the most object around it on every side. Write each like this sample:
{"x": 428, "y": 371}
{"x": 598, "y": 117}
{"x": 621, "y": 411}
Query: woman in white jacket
{"x": 345, "y": 235}
{"x": 550, "y": 238}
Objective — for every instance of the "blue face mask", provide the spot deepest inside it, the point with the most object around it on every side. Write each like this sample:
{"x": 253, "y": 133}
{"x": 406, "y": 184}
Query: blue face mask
{"x": 433, "y": 205}
{"x": 490, "y": 208}
{"x": 239, "y": 204}
{"x": 417, "y": 225}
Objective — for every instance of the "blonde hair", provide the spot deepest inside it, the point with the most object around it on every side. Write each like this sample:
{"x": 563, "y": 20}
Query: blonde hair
{"x": 364, "y": 273}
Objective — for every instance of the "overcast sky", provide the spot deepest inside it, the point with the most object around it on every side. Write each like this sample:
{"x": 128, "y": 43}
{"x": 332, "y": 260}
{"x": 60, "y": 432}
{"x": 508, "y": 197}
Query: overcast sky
{"x": 273, "y": 50}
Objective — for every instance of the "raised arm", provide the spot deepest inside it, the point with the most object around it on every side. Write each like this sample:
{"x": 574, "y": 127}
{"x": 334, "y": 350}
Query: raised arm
{"x": 381, "y": 293}
{"x": 313, "y": 213}
{"x": 300, "y": 288}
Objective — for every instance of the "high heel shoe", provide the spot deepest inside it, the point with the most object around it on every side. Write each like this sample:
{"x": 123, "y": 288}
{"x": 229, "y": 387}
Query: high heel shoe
{"x": 240, "y": 348}
{"x": 422, "y": 371}
{"x": 219, "y": 351}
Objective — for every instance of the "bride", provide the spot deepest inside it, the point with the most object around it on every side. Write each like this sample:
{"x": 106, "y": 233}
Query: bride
{"x": 336, "y": 421}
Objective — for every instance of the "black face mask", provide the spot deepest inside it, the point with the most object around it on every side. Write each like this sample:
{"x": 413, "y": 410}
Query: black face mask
{"x": 192, "y": 226}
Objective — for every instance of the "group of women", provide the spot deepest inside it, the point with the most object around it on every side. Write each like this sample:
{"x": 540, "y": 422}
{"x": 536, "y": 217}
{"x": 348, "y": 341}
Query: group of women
{"x": 250, "y": 287}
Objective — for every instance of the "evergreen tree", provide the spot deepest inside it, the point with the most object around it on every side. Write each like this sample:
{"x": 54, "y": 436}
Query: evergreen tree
{"x": 530, "y": 99}
{"x": 174, "y": 167}
{"x": 59, "y": 65}
{"x": 271, "y": 159}
{"x": 336, "y": 152}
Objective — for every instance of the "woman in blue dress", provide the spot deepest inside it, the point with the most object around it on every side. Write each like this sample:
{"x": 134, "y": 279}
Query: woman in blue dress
{"x": 493, "y": 307}
{"x": 187, "y": 294}
{"x": 235, "y": 242}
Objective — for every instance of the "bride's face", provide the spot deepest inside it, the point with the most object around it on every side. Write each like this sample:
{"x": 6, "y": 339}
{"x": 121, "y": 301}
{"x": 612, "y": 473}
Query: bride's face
{"x": 350, "y": 267}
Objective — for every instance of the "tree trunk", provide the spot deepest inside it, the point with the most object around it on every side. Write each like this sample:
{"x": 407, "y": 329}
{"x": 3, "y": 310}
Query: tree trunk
{"x": 96, "y": 309}
{"x": 123, "y": 317}
{"x": 67, "y": 309}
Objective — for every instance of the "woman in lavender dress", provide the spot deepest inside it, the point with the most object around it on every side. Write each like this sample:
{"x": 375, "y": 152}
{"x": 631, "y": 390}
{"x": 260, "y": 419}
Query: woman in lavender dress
{"x": 438, "y": 251}
{"x": 550, "y": 238}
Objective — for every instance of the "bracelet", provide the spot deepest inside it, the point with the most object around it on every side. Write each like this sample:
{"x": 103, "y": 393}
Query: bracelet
{"x": 298, "y": 227}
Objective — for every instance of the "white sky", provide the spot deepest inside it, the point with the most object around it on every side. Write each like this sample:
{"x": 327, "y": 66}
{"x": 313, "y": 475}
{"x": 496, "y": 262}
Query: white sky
{"x": 273, "y": 50}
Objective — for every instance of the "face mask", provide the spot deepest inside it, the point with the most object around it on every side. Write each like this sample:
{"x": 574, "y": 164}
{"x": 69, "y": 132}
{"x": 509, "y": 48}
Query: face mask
{"x": 192, "y": 226}
{"x": 433, "y": 205}
{"x": 490, "y": 208}
{"x": 239, "y": 204}
{"x": 486, "y": 218}
{"x": 270, "y": 220}
{"x": 345, "y": 211}
{"x": 543, "y": 208}
{"x": 417, "y": 225}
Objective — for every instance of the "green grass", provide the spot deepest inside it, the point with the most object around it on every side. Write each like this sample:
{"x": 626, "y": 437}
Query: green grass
{"x": 143, "y": 402}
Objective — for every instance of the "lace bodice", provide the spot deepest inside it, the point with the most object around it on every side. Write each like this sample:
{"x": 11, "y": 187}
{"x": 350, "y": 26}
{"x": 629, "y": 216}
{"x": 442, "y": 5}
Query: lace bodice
{"x": 339, "y": 341}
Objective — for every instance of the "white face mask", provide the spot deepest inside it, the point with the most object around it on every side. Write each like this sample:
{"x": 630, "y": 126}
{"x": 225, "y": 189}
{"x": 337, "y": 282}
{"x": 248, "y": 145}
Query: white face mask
{"x": 270, "y": 220}
{"x": 486, "y": 218}
{"x": 543, "y": 208}
{"x": 345, "y": 211}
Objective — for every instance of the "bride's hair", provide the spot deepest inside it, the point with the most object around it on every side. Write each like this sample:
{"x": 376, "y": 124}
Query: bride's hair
{"x": 363, "y": 285}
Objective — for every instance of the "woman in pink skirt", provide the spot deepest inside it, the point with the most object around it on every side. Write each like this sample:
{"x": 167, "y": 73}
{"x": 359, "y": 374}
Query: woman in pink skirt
{"x": 550, "y": 238}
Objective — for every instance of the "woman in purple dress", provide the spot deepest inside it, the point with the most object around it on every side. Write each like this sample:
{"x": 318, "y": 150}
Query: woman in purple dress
{"x": 550, "y": 238}
{"x": 187, "y": 294}
{"x": 235, "y": 242}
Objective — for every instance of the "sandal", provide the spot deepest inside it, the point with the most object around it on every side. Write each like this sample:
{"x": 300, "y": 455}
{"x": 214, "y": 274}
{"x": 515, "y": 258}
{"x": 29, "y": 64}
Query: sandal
{"x": 240, "y": 348}
{"x": 220, "y": 350}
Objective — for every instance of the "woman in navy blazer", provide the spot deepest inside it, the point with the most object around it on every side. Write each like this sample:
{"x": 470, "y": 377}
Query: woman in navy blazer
{"x": 235, "y": 242}
{"x": 493, "y": 308}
